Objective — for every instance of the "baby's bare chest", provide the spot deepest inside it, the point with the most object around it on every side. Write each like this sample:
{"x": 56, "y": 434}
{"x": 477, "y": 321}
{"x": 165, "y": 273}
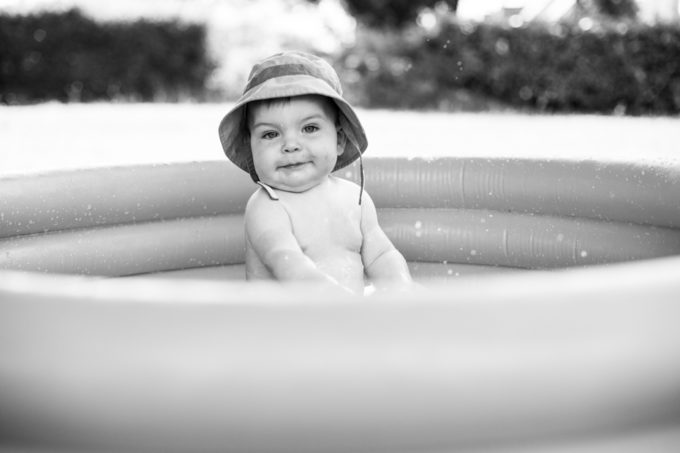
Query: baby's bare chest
{"x": 325, "y": 226}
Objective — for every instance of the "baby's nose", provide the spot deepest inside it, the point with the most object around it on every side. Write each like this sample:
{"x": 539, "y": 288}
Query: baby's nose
{"x": 291, "y": 144}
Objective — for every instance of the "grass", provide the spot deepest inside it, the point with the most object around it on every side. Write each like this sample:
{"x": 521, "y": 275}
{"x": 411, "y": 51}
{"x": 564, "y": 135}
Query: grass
{"x": 57, "y": 136}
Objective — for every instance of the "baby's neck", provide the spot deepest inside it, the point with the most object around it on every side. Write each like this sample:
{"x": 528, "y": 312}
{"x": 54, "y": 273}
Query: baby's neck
{"x": 313, "y": 189}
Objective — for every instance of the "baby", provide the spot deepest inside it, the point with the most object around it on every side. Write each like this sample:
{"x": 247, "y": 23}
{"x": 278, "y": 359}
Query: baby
{"x": 290, "y": 130}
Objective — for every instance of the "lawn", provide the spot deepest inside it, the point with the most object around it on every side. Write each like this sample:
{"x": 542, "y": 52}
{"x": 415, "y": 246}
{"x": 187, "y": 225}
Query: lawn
{"x": 56, "y": 136}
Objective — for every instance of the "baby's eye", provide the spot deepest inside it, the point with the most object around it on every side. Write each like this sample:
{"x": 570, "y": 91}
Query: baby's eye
{"x": 269, "y": 135}
{"x": 310, "y": 128}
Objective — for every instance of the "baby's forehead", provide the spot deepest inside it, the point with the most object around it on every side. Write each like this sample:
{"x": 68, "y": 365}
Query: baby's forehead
{"x": 322, "y": 103}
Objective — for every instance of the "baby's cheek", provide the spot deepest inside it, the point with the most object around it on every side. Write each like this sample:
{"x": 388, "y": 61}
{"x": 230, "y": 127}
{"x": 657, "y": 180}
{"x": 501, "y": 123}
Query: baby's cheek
{"x": 329, "y": 159}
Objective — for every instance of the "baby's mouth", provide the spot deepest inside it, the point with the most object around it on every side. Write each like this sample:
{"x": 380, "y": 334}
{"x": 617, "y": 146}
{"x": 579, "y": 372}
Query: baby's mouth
{"x": 292, "y": 166}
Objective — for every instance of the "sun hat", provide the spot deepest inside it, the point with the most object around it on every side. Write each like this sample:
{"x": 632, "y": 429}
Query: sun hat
{"x": 289, "y": 74}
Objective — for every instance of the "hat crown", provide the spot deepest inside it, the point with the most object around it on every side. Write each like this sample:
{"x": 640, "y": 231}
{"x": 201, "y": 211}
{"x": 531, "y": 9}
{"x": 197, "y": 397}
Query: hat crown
{"x": 293, "y": 63}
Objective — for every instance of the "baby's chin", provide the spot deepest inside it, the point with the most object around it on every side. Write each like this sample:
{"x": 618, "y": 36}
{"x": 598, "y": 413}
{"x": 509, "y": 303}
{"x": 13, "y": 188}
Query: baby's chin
{"x": 293, "y": 188}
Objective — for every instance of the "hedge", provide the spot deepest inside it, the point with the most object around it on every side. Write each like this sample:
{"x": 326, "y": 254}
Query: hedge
{"x": 561, "y": 68}
{"x": 70, "y": 57}
{"x": 558, "y": 68}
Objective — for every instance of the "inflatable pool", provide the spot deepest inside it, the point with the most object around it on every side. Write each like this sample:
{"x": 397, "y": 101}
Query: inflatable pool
{"x": 547, "y": 320}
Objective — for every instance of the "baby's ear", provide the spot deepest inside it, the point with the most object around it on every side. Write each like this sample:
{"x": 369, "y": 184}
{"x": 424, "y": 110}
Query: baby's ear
{"x": 342, "y": 140}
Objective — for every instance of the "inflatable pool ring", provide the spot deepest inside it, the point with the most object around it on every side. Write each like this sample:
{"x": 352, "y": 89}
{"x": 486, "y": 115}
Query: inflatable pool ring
{"x": 178, "y": 353}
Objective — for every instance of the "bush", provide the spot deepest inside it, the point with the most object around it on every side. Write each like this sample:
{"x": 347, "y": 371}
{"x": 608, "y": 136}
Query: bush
{"x": 69, "y": 57}
{"x": 554, "y": 69}
{"x": 393, "y": 13}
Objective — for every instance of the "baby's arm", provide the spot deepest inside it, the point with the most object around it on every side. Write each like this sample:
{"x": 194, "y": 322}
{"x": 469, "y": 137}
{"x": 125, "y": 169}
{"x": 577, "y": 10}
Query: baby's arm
{"x": 383, "y": 263}
{"x": 270, "y": 234}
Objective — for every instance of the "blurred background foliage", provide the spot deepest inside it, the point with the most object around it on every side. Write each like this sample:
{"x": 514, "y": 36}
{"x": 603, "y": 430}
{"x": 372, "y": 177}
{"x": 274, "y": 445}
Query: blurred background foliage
{"x": 597, "y": 56}
{"x": 392, "y": 13}
{"x": 70, "y": 57}
{"x": 551, "y": 69}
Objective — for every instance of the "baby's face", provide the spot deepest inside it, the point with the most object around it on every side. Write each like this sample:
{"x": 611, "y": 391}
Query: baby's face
{"x": 294, "y": 142}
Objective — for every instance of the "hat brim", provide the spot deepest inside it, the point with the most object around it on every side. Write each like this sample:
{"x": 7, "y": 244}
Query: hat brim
{"x": 236, "y": 144}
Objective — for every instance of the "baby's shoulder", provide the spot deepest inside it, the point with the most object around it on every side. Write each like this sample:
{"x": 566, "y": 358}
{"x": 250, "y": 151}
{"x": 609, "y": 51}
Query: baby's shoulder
{"x": 254, "y": 200}
{"x": 260, "y": 203}
{"x": 344, "y": 183}
{"x": 345, "y": 187}
{"x": 350, "y": 191}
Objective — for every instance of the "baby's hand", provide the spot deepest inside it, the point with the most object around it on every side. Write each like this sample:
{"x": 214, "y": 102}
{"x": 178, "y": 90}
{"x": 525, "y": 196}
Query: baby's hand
{"x": 392, "y": 286}
{"x": 337, "y": 287}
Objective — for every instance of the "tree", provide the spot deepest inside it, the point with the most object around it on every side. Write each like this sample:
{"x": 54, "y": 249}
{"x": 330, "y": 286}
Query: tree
{"x": 392, "y": 13}
{"x": 617, "y": 9}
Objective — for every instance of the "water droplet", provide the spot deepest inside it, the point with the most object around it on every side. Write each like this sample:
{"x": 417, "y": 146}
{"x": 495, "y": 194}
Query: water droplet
{"x": 39, "y": 35}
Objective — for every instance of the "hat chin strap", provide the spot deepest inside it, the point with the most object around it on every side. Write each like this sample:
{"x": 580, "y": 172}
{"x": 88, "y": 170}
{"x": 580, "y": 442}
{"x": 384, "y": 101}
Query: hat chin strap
{"x": 269, "y": 190}
{"x": 361, "y": 170}
{"x": 251, "y": 171}
{"x": 349, "y": 137}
